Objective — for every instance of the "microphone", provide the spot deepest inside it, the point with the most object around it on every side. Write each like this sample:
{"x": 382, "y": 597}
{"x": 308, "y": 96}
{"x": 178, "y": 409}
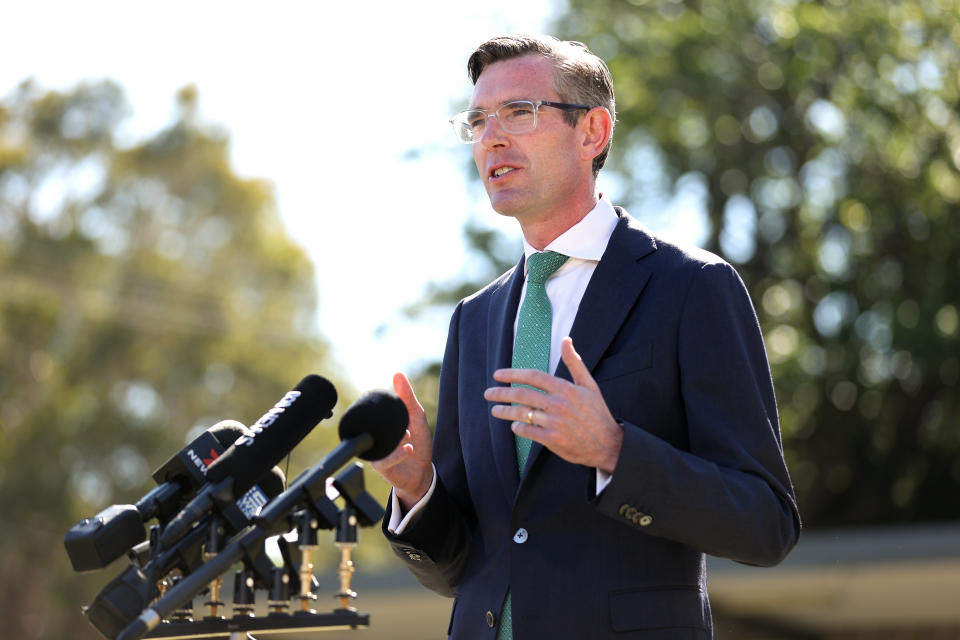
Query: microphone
{"x": 371, "y": 428}
{"x": 124, "y": 598}
{"x": 186, "y": 472}
{"x": 95, "y": 542}
{"x": 376, "y": 423}
{"x": 273, "y": 436}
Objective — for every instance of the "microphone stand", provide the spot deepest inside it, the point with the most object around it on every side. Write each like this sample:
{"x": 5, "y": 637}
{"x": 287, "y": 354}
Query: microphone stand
{"x": 307, "y": 542}
{"x": 210, "y": 550}
{"x": 346, "y": 540}
{"x": 309, "y": 491}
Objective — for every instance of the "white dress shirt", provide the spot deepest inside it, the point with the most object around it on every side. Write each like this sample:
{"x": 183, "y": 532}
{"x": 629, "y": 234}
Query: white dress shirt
{"x": 584, "y": 243}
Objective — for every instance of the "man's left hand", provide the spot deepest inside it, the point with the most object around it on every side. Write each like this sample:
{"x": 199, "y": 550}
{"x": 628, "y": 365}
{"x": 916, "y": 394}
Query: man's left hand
{"x": 569, "y": 418}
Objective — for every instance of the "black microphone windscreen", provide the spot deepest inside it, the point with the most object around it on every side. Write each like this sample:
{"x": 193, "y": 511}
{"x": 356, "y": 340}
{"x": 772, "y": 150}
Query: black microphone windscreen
{"x": 382, "y": 415}
{"x": 275, "y": 434}
{"x": 272, "y": 482}
{"x": 228, "y": 431}
{"x": 188, "y": 466}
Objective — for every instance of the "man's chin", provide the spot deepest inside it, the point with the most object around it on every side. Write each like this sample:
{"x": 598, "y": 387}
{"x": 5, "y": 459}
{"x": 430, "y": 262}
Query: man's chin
{"x": 505, "y": 205}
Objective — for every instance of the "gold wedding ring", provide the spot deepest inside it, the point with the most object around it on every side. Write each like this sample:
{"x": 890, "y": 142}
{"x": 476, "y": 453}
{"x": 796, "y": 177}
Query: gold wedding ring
{"x": 530, "y": 416}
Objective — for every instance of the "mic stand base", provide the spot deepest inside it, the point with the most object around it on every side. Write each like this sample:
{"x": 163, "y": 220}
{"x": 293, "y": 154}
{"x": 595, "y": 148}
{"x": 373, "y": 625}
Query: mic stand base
{"x": 224, "y": 629}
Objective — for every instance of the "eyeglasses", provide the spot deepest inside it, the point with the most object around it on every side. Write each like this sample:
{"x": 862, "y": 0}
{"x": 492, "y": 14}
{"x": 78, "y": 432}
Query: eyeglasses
{"x": 519, "y": 116}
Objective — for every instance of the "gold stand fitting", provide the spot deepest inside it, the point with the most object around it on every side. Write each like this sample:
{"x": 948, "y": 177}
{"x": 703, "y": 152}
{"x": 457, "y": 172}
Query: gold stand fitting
{"x": 306, "y": 579}
{"x": 346, "y": 571}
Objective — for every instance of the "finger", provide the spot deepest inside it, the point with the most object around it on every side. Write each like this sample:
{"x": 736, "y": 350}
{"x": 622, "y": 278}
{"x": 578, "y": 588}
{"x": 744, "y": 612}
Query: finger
{"x": 578, "y": 370}
{"x": 533, "y": 377}
{"x": 531, "y": 432}
{"x": 518, "y": 395}
{"x": 401, "y": 451}
{"x": 404, "y": 390}
{"x": 519, "y": 413}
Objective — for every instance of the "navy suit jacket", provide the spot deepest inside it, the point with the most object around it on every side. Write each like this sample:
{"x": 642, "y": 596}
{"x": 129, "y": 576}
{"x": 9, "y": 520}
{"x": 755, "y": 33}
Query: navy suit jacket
{"x": 672, "y": 339}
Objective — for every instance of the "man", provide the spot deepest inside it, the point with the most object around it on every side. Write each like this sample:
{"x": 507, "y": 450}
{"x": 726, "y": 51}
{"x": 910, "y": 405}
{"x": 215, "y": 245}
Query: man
{"x": 649, "y": 405}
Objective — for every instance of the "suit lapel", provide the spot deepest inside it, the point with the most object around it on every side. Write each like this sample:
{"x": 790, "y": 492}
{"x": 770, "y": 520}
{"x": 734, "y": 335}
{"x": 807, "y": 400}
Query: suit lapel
{"x": 616, "y": 284}
{"x": 503, "y": 310}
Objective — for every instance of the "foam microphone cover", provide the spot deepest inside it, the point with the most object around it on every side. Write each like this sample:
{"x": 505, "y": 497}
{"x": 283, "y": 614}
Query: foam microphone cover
{"x": 182, "y": 468}
{"x": 272, "y": 483}
{"x": 382, "y": 415}
{"x": 276, "y": 434}
{"x": 227, "y": 431}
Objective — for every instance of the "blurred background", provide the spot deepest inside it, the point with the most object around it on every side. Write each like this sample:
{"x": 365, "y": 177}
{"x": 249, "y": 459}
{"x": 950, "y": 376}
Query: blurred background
{"x": 200, "y": 203}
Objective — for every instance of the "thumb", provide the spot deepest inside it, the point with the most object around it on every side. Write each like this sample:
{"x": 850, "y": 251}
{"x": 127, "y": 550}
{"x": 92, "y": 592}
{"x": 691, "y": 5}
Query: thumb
{"x": 578, "y": 370}
{"x": 404, "y": 390}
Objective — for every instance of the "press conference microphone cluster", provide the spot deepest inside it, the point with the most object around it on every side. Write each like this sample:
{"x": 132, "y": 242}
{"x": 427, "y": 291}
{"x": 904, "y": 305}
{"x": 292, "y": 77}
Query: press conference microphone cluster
{"x": 95, "y": 542}
{"x": 274, "y": 436}
{"x": 223, "y": 497}
{"x": 370, "y": 429}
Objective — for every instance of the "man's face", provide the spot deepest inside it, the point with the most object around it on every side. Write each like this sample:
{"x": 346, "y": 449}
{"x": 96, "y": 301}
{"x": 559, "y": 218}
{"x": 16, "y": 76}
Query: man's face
{"x": 529, "y": 176}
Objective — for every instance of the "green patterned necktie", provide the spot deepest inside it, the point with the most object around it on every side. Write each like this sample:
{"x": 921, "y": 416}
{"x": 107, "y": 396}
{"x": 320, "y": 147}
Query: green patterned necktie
{"x": 531, "y": 350}
{"x": 531, "y": 347}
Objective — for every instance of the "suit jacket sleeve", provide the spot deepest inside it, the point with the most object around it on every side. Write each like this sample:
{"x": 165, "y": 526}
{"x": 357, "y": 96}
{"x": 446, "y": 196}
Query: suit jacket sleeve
{"x": 727, "y": 492}
{"x": 435, "y": 546}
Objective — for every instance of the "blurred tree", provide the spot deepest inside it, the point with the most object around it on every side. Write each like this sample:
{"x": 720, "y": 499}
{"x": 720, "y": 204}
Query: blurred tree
{"x": 146, "y": 293}
{"x": 820, "y": 140}
{"x": 827, "y": 142}
{"x": 491, "y": 253}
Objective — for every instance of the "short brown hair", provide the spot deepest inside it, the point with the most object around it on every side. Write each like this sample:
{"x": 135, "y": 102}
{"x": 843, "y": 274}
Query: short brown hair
{"x": 580, "y": 76}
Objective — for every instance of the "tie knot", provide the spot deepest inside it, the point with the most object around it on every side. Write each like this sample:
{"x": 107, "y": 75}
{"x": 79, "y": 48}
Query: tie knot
{"x": 541, "y": 266}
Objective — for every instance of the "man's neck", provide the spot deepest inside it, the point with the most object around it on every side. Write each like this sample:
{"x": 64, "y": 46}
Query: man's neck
{"x": 541, "y": 231}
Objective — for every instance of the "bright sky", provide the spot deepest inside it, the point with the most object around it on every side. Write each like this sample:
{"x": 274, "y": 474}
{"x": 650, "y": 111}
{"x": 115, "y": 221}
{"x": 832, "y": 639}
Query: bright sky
{"x": 342, "y": 105}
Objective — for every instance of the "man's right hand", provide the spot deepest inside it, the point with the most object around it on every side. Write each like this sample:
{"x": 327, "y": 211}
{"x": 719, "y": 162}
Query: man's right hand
{"x": 408, "y": 468}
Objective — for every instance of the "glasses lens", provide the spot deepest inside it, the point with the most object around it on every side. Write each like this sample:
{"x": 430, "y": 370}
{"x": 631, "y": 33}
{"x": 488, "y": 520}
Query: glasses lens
{"x": 468, "y": 125}
{"x": 518, "y": 117}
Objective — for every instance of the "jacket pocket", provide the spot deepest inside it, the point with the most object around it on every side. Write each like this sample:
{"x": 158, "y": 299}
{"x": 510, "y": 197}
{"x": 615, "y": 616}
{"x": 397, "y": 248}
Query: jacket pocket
{"x": 658, "y": 608}
{"x": 624, "y": 362}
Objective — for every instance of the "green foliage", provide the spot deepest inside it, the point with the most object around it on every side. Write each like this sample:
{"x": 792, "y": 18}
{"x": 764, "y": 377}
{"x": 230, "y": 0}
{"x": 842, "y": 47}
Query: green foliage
{"x": 146, "y": 293}
{"x": 824, "y": 136}
{"x": 827, "y": 137}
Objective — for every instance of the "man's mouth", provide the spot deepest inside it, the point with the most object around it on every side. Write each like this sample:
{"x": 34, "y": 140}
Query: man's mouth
{"x": 501, "y": 171}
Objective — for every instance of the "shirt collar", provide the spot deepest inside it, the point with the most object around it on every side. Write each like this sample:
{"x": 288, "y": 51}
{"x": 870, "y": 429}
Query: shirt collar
{"x": 586, "y": 240}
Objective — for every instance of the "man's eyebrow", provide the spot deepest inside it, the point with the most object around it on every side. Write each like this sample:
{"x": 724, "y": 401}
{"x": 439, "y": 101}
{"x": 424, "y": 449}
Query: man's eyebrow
{"x": 474, "y": 107}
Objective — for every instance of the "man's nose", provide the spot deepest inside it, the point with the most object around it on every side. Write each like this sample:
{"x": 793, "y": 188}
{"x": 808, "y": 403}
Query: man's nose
{"x": 492, "y": 134}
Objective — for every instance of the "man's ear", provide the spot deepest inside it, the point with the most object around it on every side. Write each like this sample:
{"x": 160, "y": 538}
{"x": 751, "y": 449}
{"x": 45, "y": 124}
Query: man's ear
{"x": 597, "y": 127}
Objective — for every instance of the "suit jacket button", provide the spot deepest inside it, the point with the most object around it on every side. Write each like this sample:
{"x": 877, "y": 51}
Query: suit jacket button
{"x": 491, "y": 619}
{"x": 645, "y": 520}
{"x": 520, "y": 536}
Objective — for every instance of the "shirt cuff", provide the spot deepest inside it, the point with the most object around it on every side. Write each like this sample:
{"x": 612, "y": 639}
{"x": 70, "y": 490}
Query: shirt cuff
{"x": 603, "y": 479}
{"x": 399, "y": 522}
